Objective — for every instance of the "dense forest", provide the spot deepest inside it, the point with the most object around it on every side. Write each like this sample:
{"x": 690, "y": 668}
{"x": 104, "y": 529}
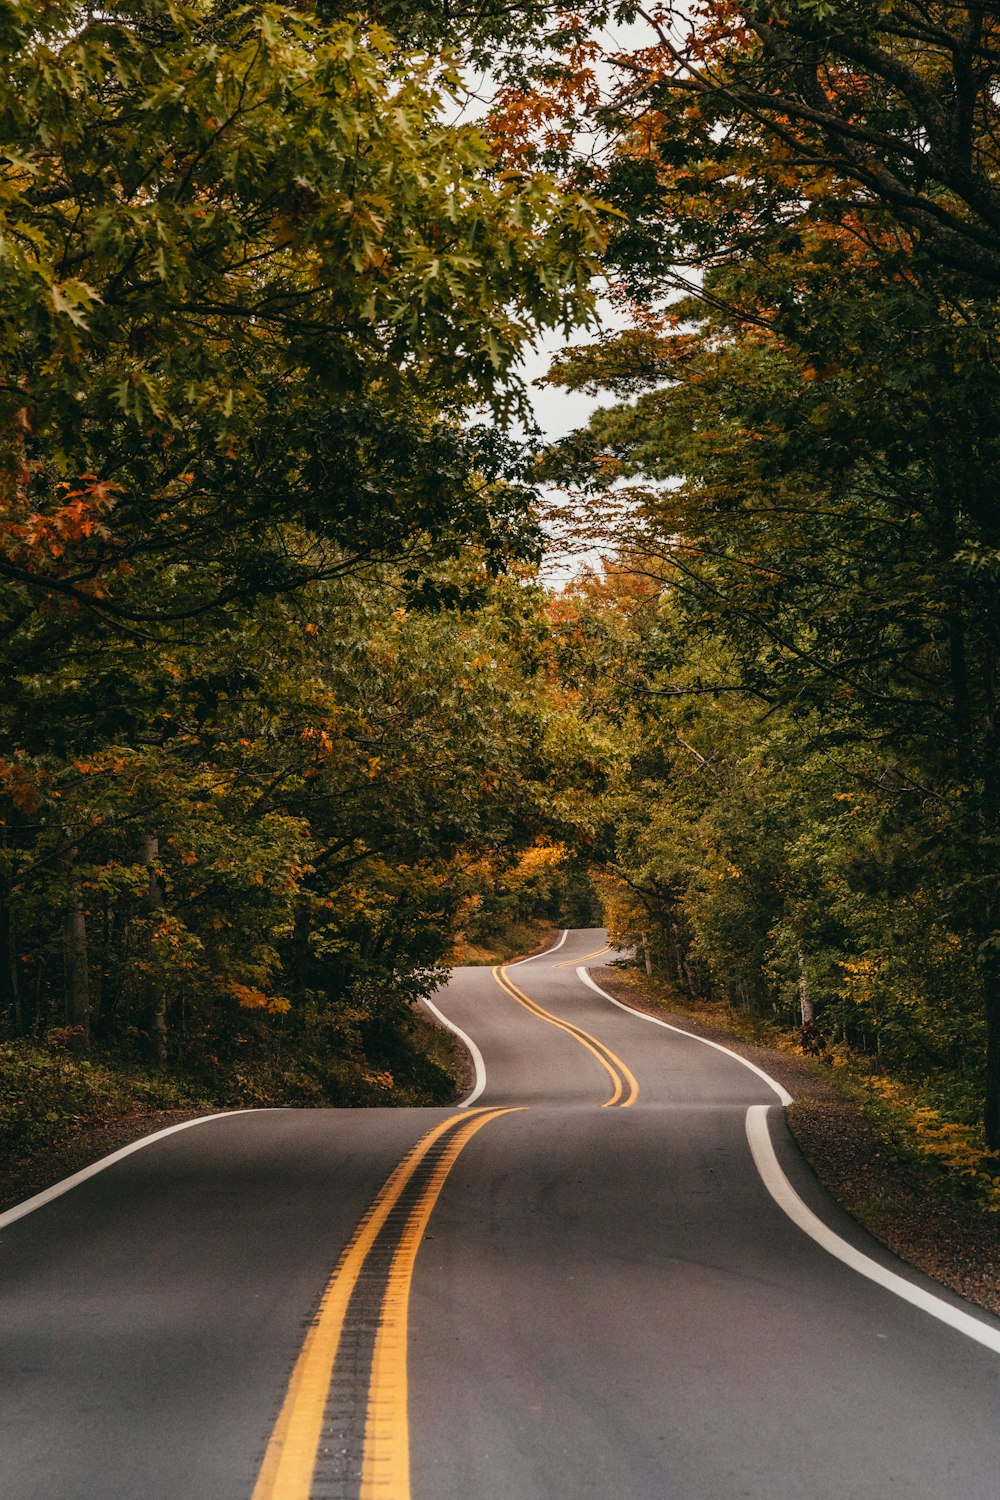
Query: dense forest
{"x": 289, "y": 711}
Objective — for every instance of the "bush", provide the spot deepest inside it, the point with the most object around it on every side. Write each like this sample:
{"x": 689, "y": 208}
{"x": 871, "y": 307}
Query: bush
{"x": 46, "y": 1095}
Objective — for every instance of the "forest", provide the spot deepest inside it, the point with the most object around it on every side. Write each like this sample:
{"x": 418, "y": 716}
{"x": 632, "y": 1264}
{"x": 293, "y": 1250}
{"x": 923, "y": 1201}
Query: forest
{"x": 293, "y": 715}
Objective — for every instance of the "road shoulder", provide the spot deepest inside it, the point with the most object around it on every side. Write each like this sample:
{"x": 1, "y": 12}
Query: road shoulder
{"x": 955, "y": 1242}
{"x": 21, "y": 1179}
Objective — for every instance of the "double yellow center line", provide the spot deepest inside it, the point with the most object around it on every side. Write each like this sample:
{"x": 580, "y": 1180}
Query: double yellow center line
{"x": 289, "y": 1465}
{"x": 378, "y": 1263}
{"x": 624, "y": 1088}
{"x": 574, "y": 963}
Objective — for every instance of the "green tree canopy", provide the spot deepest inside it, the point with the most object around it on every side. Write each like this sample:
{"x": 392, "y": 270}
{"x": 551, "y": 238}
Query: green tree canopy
{"x": 253, "y": 283}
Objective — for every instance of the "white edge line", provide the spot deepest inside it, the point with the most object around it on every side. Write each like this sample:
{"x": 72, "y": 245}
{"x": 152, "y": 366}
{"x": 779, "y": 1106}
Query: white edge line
{"x": 788, "y": 1200}
{"x": 782, "y": 1093}
{"x": 20, "y": 1210}
{"x": 477, "y": 1056}
{"x": 532, "y": 956}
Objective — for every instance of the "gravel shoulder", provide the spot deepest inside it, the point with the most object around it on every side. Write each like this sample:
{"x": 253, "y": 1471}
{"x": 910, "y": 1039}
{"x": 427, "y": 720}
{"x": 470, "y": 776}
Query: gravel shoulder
{"x": 914, "y": 1215}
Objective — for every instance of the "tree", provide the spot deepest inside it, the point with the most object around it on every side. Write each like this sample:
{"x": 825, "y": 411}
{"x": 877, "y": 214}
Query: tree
{"x": 898, "y": 102}
{"x": 263, "y": 311}
{"x": 253, "y": 283}
{"x": 756, "y": 863}
{"x": 806, "y": 449}
{"x": 268, "y": 849}
{"x": 834, "y": 543}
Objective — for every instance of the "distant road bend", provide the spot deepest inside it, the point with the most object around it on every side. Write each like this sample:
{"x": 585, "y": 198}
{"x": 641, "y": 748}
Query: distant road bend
{"x": 606, "y": 1275}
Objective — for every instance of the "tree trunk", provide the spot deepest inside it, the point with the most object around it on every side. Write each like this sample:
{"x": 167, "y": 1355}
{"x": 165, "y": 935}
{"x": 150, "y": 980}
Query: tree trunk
{"x": 75, "y": 968}
{"x": 10, "y": 987}
{"x": 298, "y": 965}
{"x": 807, "y": 1010}
{"x": 645, "y": 954}
{"x": 990, "y": 831}
{"x": 991, "y": 986}
{"x": 682, "y": 963}
{"x": 149, "y": 849}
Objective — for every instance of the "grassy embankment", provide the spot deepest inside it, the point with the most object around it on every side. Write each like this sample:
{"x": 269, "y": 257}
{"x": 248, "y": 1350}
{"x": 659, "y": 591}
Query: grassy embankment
{"x": 518, "y": 940}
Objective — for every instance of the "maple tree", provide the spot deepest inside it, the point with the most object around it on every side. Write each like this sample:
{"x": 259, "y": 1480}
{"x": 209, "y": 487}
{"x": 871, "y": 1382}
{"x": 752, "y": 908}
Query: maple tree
{"x": 897, "y": 102}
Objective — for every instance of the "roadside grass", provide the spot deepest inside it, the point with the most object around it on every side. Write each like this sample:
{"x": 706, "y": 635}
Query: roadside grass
{"x": 926, "y": 1125}
{"x": 47, "y": 1095}
{"x": 518, "y": 940}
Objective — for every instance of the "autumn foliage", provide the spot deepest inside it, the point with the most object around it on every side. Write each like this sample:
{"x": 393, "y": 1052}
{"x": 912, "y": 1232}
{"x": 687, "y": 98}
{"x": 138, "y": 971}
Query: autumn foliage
{"x": 264, "y": 298}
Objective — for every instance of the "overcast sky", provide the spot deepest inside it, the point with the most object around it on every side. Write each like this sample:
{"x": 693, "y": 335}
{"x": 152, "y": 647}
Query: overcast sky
{"x": 559, "y": 412}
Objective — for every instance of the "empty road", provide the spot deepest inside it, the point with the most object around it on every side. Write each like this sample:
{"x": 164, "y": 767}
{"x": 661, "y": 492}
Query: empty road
{"x": 607, "y": 1275}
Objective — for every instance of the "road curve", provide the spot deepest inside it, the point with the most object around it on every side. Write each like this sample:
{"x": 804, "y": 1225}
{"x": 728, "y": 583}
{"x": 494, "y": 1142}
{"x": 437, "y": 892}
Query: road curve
{"x": 577, "y": 1285}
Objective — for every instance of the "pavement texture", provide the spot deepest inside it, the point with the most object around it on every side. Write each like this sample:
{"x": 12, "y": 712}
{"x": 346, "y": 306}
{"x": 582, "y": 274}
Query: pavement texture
{"x": 604, "y": 1300}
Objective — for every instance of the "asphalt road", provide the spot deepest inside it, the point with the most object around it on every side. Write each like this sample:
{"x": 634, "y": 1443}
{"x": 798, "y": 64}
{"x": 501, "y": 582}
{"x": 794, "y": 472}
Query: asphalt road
{"x": 579, "y": 1285}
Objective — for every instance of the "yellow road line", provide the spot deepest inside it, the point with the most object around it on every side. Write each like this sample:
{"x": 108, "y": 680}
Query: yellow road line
{"x": 385, "y": 1473}
{"x": 618, "y": 1072}
{"x": 585, "y": 1040}
{"x": 572, "y": 963}
{"x": 287, "y": 1470}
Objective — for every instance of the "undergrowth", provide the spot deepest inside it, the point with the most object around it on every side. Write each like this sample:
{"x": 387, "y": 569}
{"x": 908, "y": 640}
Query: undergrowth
{"x": 514, "y": 940}
{"x": 49, "y": 1094}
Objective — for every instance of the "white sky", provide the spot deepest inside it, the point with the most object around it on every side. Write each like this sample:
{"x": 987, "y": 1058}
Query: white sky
{"x": 560, "y": 412}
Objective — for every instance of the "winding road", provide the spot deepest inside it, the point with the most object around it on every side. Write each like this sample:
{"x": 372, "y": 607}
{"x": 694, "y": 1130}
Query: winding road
{"x": 606, "y": 1275}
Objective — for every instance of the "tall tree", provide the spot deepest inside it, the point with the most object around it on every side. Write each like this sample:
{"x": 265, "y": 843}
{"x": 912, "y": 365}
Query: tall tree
{"x": 899, "y": 101}
{"x": 810, "y": 433}
{"x": 253, "y": 283}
